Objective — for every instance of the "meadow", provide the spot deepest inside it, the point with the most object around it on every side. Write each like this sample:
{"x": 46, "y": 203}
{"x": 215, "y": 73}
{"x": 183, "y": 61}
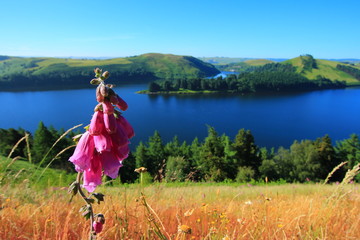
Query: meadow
{"x": 186, "y": 211}
{"x": 35, "y": 204}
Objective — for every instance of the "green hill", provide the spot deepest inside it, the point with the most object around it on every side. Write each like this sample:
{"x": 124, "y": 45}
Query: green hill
{"x": 258, "y": 62}
{"x": 305, "y": 65}
{"x": 19, "y": 171}
{"x": 324, "y": 68}
{"x": 40, "y": 73}
{"x": 245, "y": 66}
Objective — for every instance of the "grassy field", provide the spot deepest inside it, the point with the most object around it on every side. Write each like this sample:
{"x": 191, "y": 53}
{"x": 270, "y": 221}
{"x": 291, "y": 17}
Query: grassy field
{"x": 35, "y": 204}
{"x": 194, "y": 211}
{"x": 325, "y": 68}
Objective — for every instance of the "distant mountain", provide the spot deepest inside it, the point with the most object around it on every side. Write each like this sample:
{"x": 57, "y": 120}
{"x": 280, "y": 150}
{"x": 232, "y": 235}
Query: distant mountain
{"x": 227, "y": 60}
{"x": 347, "y": 60}
{"x": 223, "y": 60}
{"x": 45, "y": 73}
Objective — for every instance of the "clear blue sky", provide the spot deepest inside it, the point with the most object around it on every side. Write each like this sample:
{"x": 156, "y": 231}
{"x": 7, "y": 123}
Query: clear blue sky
{"x": 229, "y": 28}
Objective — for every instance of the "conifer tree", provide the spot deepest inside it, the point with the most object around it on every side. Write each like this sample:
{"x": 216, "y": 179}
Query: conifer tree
{"x": 246, "y": 151}
{"x": 212, "y": 157}
{"x": 327, "y": 157}
{"x": 43, "y": 140}
{"x": 127, "y": 173}
{"x": 155, "y": 154}
{"x": 141, "y": 156}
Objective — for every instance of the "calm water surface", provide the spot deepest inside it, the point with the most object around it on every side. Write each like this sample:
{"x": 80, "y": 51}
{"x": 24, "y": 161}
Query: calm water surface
{"x": 274, "y": 119}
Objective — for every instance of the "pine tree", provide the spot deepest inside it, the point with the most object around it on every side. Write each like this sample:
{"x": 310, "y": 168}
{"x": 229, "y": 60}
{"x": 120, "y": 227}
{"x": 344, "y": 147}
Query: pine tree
{"x": 43, "y": 140}
{"x": 212, "y": 157}
{"x": 172, "y": 148}
{"x": 246, "y": 151}
{"x": 230, "y": 166}
{"x": 141, "y": 156}
{"x": 127, "y": 173}
{"x": 156, "y": 154}
{"x": 327, "y": 156}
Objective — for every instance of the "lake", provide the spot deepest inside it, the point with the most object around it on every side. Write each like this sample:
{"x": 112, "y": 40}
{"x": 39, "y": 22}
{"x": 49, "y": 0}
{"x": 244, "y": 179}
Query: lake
{"x": 275, "y": 119}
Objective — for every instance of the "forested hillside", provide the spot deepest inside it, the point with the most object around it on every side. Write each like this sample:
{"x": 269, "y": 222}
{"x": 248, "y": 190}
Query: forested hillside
{"x": 305, "y": 65}
{"x": 301, "y": 73}
{"x": 45, "y": 73}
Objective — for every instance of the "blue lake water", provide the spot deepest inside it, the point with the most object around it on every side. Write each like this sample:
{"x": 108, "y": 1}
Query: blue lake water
{"x": 274, "y": 119}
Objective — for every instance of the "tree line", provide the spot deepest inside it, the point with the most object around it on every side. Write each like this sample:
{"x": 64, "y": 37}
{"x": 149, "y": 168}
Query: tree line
{"x": 270, "y": 77}
{"x": 217, "y": 158}
{"x": 39, "y": 145}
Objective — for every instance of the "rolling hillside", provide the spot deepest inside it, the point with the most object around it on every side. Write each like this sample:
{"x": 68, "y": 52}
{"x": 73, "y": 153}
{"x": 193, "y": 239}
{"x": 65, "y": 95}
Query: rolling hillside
{"x": 44, "y": 73}
{"x": 325, "y": 68}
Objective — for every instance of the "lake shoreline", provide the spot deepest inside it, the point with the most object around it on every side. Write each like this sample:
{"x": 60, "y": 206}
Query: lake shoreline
{"x": 194, "y": 92}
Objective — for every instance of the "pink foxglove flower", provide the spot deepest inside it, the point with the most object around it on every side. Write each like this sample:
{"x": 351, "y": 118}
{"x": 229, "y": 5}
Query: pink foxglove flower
{"x": 122, "y": 152}
{"x": 109, "y": 118}
{"x": 102, "y": 142}
{"x": 119, "y": 138}
{"x": 97, "y": 123}
{"x": 111, "y": 164}
{"x": 83, "y": 152}
{"x": 121, "y": 103}
{"x": 125, "y": 125}
{"x": 104, "y": 146}
{"x": 92, "y": 175}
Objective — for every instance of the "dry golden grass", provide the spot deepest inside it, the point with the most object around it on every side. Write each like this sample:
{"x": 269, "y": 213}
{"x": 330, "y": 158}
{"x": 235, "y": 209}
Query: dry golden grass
{"x": 193, "y": 212}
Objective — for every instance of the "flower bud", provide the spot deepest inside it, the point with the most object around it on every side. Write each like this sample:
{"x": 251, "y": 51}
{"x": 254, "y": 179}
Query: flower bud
{"x": 95, "y": 81}
{"x": 100, "y": 218}
{"x": 106, "y": 75}
{"x": 98, "y": 226}
{"x": 99, "y": 96}
{"x": 97, "y": 72}
{"x": 114, "y": 100}
{"x": 121, "y": 103}
{"x": 103, "y": 90}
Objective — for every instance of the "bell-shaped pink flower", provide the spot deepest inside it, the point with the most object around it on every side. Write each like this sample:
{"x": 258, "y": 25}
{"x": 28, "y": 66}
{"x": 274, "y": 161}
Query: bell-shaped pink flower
{"x": 125, "y": 125}
{"x": 102, "y": 142}
{"x": 84, "y": 151}
{"x": 97, "y": 123}
{"x": 119, "y": 138}
{"x": 121, "y": 103}
{"x": 92, "y": 175}
{"x": 99, "y": 96}
{"x": 109, "y": 118}
{"x": 111, "y": 164}
{"x": 122, "y": 152}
